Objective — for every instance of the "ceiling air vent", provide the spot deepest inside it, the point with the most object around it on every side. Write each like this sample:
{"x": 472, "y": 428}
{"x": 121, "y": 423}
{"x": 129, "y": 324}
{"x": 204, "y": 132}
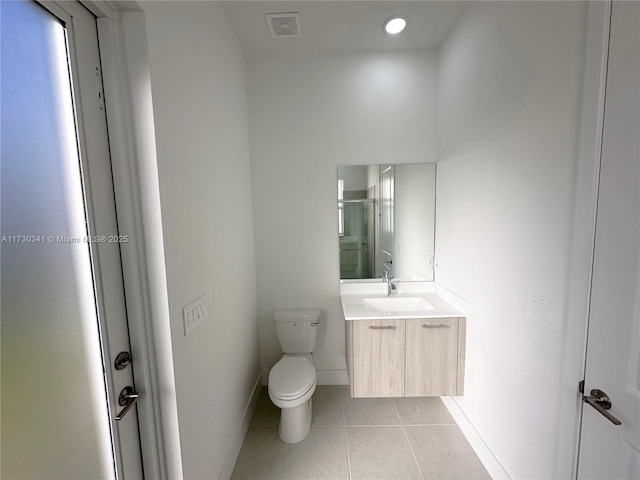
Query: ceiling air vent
{"x": 284, "y": 25}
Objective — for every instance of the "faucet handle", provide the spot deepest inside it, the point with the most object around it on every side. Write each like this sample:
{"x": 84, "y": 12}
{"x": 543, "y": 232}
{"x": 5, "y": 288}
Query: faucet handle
{"x": 384, "y": 276}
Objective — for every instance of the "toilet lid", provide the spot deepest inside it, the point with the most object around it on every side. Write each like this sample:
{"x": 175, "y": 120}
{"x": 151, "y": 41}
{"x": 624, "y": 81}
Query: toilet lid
{"x": 292, "y": 376}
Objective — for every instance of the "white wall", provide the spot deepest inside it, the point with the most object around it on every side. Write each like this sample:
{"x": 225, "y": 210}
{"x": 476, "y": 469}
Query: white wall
{"x": 509, "y": 97}
{"x": 199, "y": 93}
{"x": 307, "y": 116}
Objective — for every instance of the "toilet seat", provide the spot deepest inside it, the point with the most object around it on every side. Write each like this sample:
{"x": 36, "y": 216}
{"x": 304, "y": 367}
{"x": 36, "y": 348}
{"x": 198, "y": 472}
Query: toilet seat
{"x": 292, "y": 377}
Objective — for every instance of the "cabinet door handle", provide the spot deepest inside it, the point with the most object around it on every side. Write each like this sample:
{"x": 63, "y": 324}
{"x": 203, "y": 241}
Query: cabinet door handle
{"x": 385, "y": 327}
{"x": 442, "y": 325}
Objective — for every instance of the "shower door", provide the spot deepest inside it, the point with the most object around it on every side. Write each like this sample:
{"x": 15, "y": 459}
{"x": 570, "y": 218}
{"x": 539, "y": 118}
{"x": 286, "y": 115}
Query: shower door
{"x": 68, "y": 398}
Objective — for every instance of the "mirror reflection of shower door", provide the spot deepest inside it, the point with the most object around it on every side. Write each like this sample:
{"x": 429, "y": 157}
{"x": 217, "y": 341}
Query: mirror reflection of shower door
{"x": 370, "y": 254}
{"x": 357, "y": 243}
{"x": 386, "y": 219}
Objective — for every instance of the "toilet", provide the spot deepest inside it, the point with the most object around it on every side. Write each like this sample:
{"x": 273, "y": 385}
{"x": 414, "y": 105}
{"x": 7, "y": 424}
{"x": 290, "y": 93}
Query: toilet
{"x": 292, "y": 380}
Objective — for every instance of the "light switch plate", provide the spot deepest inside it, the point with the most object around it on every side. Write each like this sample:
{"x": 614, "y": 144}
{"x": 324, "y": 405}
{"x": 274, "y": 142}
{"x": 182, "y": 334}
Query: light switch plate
{"x": 195, "y": 314}
{"x": 540, "y": 308}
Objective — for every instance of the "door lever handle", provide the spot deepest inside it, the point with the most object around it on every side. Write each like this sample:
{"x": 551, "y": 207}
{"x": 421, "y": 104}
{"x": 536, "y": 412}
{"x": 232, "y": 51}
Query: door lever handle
{"x": 127, "y": 399}
{"x": 601, "y": 402}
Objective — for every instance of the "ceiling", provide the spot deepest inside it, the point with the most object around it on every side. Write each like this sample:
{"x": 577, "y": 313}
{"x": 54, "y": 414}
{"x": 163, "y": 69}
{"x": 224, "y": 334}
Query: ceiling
{"x": 330, "y": 26}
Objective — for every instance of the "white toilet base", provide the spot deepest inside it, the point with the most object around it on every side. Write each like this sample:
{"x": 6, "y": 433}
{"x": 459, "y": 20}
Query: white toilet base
{"x": 295, "y": 423}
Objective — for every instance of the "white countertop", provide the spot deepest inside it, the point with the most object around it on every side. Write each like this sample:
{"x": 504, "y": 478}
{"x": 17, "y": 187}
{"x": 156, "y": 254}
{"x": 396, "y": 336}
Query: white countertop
{"x": 445, "y": 302}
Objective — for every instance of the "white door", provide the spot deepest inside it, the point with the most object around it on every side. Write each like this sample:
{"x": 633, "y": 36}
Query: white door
{"x": 387, "y": 182}
{"x": 609, "y": 451}
{"x": 63, "y": 306}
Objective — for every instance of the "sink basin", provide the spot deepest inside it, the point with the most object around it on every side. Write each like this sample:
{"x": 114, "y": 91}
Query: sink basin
{"x": 397, "y": 304}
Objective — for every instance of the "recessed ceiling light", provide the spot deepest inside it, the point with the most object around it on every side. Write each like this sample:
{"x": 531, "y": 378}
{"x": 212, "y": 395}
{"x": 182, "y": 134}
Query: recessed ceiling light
{"x": 395, "y": 25}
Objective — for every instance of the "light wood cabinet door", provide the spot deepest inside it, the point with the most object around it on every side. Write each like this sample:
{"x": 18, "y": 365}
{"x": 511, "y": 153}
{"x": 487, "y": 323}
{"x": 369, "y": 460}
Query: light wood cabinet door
{"x": 378, "y": 358}
{"x": 435, "y": 357}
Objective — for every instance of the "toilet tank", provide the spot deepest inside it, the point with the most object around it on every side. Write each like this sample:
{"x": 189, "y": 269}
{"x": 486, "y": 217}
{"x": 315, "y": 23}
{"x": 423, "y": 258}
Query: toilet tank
{"x": 296, "y": 328}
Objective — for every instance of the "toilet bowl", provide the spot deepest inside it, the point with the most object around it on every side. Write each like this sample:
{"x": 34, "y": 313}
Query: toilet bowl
{"x": 292, "y": 380}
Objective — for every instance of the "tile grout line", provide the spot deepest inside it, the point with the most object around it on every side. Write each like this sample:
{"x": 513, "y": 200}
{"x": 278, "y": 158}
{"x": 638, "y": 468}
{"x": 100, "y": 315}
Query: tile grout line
{"x": 346, "y": 438}
{"x": 404, "y": 430}
{"x": 383, "y": 425}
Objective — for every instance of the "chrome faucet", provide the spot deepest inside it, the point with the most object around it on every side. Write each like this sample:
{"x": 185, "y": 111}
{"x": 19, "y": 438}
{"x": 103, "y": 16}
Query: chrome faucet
{"x": 390, "y": 285}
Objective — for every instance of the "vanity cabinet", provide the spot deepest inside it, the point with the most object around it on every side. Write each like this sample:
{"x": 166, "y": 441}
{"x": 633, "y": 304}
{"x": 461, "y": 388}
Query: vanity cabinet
{"x": 378, "y": 358}
{"x": 413, "y": 357}
{"x": 434, "y": 357}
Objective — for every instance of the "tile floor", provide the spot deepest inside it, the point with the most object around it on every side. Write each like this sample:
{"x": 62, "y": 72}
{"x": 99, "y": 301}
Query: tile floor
{"x": 380, "y": 438}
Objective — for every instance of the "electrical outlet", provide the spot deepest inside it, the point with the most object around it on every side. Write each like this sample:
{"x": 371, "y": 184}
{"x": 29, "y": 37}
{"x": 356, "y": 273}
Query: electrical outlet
{"x": 194, "y": 314}
{"x": 540, "y": 309}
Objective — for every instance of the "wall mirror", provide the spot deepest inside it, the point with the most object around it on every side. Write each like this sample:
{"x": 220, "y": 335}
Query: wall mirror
{"x": 386, "y": 221}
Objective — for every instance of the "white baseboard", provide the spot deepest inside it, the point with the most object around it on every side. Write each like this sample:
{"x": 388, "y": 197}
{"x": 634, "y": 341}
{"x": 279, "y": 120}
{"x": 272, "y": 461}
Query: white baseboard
{"x": 236, "y": 445}
{"x": 484, "y": 452}
{"x": 332, "y": 377}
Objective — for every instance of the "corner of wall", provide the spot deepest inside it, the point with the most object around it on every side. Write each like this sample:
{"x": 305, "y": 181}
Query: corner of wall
{"x": 238, "y": 439}
{"x": 151, "y": 250}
